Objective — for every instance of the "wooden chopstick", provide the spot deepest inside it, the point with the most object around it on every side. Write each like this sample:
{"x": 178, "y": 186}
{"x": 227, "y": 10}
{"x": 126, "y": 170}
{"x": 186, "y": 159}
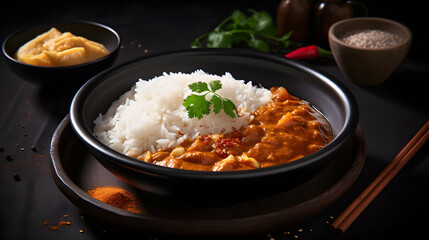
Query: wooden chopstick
{"x": 349, "y": 215}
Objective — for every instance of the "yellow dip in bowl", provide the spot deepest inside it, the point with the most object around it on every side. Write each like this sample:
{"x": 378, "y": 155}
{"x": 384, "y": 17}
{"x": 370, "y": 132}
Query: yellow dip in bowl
{"x": 55, "y": 49}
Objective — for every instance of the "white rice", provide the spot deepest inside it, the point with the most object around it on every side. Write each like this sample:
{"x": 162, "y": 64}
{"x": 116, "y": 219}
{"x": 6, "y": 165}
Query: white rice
{"x": 151, "y": 117}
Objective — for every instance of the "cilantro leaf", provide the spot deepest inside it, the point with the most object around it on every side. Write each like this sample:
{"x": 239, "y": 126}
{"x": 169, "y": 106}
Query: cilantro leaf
{"x": 197, "y": 106}
{"x": 215, "y": 85}
{"x": 199, "y": 87}
{"x": 219, "y": 40}
{"x": 239, "y": 19}
{"x": 260, "y": 21}
{"x": 258, "y": 44}
{"x": 229, "y": 107}
{"x": 217, "y": 103}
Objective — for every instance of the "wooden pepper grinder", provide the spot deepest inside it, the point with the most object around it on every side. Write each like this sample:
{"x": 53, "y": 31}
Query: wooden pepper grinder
{"x": 295, "y": 16}
{"x": 330, "y": 11}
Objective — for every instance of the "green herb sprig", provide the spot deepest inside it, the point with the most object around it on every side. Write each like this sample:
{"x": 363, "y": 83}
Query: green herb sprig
{"x": 256, "y": 31}
{"x": 197, "y": 105}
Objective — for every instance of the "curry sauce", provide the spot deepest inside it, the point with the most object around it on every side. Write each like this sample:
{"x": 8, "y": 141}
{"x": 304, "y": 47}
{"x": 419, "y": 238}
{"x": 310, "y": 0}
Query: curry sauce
{"x": 282, "y": 131}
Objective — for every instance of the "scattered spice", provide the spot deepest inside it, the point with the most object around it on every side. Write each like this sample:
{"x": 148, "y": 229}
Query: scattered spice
{"x": 33, "y": 148}
{"x": 16, "y": 177}
{"x": 371, "y": 38}
{"x": 116, "y": 196}
{"x": 298, "y": 232}
{"x": 8, "y": 157}
{"x": 61, "y": 223}
{"x": 1, "y": 149}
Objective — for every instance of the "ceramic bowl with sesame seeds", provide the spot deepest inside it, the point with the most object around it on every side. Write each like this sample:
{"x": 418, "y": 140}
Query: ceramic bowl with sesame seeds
{"x": 368, "y": 50}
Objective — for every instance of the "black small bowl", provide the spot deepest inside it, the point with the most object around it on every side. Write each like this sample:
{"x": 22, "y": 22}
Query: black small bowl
{"x": 327, "y": 94}
{"x": 74, "y": 74}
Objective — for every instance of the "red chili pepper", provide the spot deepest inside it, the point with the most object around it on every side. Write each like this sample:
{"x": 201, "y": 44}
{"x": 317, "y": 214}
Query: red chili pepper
{"x": 308, "y": 53}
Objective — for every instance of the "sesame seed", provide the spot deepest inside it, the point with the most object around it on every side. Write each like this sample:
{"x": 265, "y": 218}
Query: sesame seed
{"x": 370, "y": 38}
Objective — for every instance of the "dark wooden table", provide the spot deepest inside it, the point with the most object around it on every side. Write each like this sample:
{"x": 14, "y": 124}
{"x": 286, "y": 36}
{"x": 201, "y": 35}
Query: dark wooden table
{"x": 390, "y": 114}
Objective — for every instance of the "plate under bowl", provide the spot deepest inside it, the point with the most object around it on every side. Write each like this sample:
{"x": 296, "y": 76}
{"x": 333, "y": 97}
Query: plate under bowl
{"x": 75, "y": 171}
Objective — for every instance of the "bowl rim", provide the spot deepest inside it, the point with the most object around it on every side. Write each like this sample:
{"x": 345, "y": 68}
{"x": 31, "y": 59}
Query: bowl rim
{"x": 86, "y": 135}
{"x": 335, "y": 38}
{"x": 10, "y": 36}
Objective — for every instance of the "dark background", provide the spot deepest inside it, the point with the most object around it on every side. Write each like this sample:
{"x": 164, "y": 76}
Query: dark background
{"x": 390, "y": 115}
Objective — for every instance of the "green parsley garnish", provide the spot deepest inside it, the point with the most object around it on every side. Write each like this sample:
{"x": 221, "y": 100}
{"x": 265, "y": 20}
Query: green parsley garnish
{"x": 197, "y": 105}
{"x": 254, "y": 29}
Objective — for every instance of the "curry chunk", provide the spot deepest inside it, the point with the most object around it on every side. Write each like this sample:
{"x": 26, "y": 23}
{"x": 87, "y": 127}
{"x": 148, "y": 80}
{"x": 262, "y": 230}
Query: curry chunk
{"x": 226, "y": 164}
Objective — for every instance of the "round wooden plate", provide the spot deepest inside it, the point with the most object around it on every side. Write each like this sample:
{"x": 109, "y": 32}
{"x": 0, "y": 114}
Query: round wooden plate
{"x": 76, "y": 171}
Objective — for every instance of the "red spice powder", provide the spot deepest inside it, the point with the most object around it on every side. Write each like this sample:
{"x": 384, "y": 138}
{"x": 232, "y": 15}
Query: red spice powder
{"x": 116, "y": 196}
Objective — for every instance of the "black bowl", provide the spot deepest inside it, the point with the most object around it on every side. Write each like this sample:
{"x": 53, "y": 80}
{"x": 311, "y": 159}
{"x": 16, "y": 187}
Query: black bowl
{"x": 62, "y": 75}
{"x": 327, "y": 94}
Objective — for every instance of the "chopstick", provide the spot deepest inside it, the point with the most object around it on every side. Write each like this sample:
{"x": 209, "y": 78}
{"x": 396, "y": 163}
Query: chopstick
{"x": 349, "y": 215}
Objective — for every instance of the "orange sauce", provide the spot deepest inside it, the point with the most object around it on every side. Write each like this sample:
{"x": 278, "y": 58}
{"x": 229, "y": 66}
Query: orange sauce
{"x": 282, "y": 131}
